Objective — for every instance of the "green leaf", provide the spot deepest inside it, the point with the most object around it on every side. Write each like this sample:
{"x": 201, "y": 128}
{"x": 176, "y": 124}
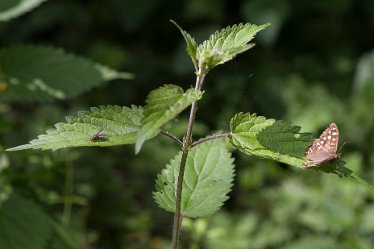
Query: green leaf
{"x": 163, "y": 104}
{"x": 23, "y": 225}
{"x": 13, "y": 8}
{"x": 268, "y": 138}
{"x": 280, "y": 141}
{"x": 320, "y": 242}
{"x": 66, "y": 236}
{"x": 190, "y": 42}
{"x": 225, "y": 45}
{"x": 118, "y": 125}
{"x": 44, "y": 73}
{"x": 207, "y": 180}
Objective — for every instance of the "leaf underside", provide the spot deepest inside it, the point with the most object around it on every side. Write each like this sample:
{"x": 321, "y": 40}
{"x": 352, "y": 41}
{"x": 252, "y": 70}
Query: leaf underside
{"x": 163, "y": 104}
{"x": 207, "y": 180}
{"x": 119, "y": 125}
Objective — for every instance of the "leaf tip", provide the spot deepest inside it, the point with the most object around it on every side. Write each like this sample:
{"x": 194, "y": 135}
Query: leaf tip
{"x": 17, "y": 148}
{"x": 138, "y": 146}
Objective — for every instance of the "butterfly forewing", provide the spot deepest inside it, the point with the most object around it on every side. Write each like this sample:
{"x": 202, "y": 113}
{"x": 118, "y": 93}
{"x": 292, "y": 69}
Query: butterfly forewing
{"x": 324, "y": 148}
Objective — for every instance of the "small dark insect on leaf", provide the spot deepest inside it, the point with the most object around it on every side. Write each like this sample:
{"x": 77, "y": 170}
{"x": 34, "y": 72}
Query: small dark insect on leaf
{"x": 99, "y": 137}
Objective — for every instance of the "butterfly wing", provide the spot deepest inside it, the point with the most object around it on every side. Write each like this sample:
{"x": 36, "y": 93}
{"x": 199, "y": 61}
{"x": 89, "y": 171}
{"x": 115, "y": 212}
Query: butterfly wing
{"x": 329, "y": 138}
{"x": 324, "y": 148}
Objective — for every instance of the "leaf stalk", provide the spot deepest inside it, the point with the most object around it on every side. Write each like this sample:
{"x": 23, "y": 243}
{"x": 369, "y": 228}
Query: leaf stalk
{"x": 165, "y": 133}
{"x": 69, "y": 186}
{"x": 202, "y": 140}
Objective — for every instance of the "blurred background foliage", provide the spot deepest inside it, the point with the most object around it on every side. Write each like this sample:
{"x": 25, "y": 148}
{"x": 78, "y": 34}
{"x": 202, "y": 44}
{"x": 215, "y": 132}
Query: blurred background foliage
{"x": 313, "y": 66}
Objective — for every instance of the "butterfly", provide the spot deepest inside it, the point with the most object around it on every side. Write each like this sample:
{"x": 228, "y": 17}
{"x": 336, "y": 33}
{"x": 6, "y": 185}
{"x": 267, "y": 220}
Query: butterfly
{"x": 323, "y": 149}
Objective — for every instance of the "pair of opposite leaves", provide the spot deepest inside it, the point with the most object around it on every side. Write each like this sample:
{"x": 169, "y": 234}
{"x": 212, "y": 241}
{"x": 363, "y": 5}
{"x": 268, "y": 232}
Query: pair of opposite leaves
{"x": 322, "y": 150}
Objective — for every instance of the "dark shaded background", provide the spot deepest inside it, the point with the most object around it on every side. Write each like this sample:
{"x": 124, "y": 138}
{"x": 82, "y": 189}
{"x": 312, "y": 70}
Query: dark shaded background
{"x": 303, "y": 69}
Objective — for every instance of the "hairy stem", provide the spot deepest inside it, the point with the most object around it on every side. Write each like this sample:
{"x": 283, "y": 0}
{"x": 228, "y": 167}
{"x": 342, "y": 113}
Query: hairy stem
{"x": 177, "y": 216}
{"x": 172, "y": 137}
{"x": 187, "y": 141}
{"x": 202, "y": 140}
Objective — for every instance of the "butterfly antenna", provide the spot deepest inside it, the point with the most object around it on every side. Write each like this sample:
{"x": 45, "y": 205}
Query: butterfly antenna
{"x": 342, "y": 146}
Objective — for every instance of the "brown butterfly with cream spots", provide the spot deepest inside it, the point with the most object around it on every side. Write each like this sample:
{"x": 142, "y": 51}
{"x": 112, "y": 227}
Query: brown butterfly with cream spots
{"x": 323, "y": 149}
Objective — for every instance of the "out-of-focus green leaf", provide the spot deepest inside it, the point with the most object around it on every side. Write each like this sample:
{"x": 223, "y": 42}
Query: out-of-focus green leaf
{"x": 65, "y": 237}
{"x": 109, "y": 74}
{"x": 163, "y": 104}
{"x": 313, "y": 108}
{"x": 43, "y": 73}
{"x": 13, "y": 8}
{"x": 207, "y": 180}
{"x": 364, "y": 72}
{"x": 367, "y": 220}
{"x": 313, "y": 243}
{"x": 262, "y": 11}
{"x": 114, "y": 125}
{"x": 23, "y": 225}
{"x": 231, "y": 231}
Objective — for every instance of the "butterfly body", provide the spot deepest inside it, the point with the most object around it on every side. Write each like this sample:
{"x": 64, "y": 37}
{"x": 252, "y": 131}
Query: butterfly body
{"x": 323, "y": 149}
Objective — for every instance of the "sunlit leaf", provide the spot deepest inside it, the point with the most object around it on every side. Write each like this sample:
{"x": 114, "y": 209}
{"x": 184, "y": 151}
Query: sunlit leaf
{"x": 163, "y": 104}
{"x": 268, "y": 138}
{"x": 207, "y": 180}
{"x": 117, "y": 125}
{"x": 225, "y": 45}
{"x": 278, "y": 140}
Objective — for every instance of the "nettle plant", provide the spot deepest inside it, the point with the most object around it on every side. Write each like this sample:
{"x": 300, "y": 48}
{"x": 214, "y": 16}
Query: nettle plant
{"x": 196, "y": 182}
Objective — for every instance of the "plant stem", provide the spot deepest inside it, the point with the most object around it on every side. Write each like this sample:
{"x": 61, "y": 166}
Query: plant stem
{"x": 66, "y": 214}
{"x": 172, "y": 137}
{"x": 187, "y": 141}
{"x": 202, "y": 140}
{"x": 177, "y": 216}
